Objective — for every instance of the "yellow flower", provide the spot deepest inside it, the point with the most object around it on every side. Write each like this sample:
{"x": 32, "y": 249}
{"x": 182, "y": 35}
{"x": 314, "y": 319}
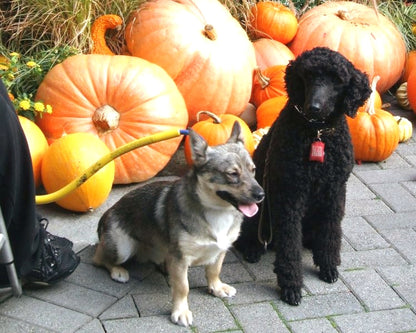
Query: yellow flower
{"x": 48, "y": 108}
{"x": 14, "y": 54}
{"x": 24, "y": 104}
{"x": 31, "y": 64}
{"x": 3, "y": 67}
{"x": 39, "y": 106}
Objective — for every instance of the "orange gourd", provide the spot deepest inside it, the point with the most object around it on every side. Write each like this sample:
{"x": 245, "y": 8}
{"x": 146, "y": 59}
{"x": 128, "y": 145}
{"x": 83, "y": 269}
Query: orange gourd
{"x": 270, "y": 52}
{"x": 119, "y": 99}
{"x": 273, "y": 20}
{"x": 38, "y": 145}
{"x": 370, "y": 41}
{"x": 374, "y": 132}
{"x": 66, "y": 159}
{"x": 269, "y": 110}
{"x": 98, "y": 30}
{"x": 201, "y": 46}
{"x": 410, "y": 64}
{"x": 216, "y": 130}
{"x": 268, "y": 83}
{"x": 411, "y": 89}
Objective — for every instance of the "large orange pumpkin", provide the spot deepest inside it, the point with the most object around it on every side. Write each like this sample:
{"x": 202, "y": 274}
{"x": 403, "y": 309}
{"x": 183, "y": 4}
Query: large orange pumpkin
{"x": 411, "y": 90}
{"x": 270, "y": 52}
{"x": 38, "y": 145}
{"x": 371, "y": 42}
{"x": 120, "y": 99}
{"x": 66, "y": 159}
{"x": 410, "y": 64}
{"x": 216, "y": 130}
{"x": 273, "y": 20}
{"x": 268, "y": 83}
{"x": 201, "y": 46}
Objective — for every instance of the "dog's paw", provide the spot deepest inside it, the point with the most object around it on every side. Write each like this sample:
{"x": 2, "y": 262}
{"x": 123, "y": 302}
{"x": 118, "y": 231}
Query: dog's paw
{"x": 222, "y": 290}
{"x": 182, "y": 317}
{"x": 328, "y": 274}
{"x": 119, "y": 274}
{"x": 291, "y": 296}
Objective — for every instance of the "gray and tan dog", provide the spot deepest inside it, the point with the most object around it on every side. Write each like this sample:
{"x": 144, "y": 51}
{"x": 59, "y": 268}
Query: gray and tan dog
{"x": 190, "y": 221}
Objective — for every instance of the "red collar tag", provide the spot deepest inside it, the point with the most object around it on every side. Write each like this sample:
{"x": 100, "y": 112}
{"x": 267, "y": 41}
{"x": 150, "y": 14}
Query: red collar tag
{"x": 317, "y": 152}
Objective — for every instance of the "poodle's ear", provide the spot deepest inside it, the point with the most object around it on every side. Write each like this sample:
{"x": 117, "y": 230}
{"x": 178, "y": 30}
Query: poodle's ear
{"x": 294, "y": 83}
{"x": 357, "y": 92}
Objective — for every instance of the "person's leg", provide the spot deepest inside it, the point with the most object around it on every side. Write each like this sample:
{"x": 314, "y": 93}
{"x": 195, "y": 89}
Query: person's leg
{"x": 31, "y": 243}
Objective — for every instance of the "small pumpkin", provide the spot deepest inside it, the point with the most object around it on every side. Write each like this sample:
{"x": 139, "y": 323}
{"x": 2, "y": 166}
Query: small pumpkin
{"x": 98, "y": 30}
{"x": 273, "y": 20}
{"x": 258, "y": 135}
{"x": 118, "y": 98}
{"x": 269, "y": 111}
{"x": 401, "y": 97}
{"x": 66, "y": 159}
{"x": 411, "y": 90}
{"x": 405, "y": 128}
{"x": 216, "y": 130}
{"x": 268, "y": 83}
{"x": 38, "y": 145}
{"x": 368, "y": 39}
{"x": 270, "y": 52}
{"x": 201, "y": 46}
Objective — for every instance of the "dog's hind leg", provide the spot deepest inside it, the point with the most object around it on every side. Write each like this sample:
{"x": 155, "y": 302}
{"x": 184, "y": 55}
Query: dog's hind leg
{"x": 117, "y": 272}
{"x": 178, "y": 277}
{"x": 215, "y": 286}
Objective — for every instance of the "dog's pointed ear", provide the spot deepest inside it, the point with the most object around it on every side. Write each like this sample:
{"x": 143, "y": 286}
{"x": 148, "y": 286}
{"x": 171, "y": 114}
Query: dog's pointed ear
{"x": 236, "y": 134}
{"x": 357, "y": 92}
{"x": 198, "y": 148}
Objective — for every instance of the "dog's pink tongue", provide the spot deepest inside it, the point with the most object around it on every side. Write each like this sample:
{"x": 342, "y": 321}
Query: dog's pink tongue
{"x": 249, "y": 210}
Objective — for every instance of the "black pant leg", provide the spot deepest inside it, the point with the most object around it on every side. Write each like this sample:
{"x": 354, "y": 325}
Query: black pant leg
{"x": 17, "y": 189}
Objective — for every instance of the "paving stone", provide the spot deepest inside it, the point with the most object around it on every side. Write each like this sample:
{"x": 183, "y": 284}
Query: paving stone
{"x": 395, "y": 196}
{"x": 258, "y": 317}
{"x": 392, "y": 221}
{"x": 320, "y": 306}
{"x": 321, "y": 325}
{"x": 43, "y": 314}
{"x": 397, "y": 320}
{"x": 154, "y": 283}
{"x": 262, "y": 270}
{"x": 153, "y": 304}
{"x": 357, "y": 190}
{"x": 364, "y": 207}
{"x": 253, "y": 292}
{"x": 371, "y": 258}
{"x": 361, "y": 235}
{"x": 159, "y": 324}
{"x": 10, "y": 325}
{"x": 98, "y": 279}
{"x": 395, "y": 161}
{"x": 404, "y": 241}
{"x": 94, "y": 326}
{"x": 386, "y": 176}
{"x": 124, "y": 308}
{"x": 74, "y": 297}
{"x": 372, "y": 290}
{"x": 210, "y": 313}
{"x": 399, "y": 275}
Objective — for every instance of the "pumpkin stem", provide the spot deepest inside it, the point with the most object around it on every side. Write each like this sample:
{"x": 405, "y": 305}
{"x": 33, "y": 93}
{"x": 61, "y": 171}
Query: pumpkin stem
{"x": 98, "y": 29}
{"x": 210, "y": 32}
{"x": 262, "y": 79}
{"x": 217, "y": 120}
{"x": 370, "y": 103}
{"x": 105, "y": 119}
{"x": 343, "y": 15}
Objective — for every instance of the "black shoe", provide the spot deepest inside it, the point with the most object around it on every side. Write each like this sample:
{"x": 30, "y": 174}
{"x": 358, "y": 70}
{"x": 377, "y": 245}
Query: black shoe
{"x": 55, "y": 260}
{"x": 55, "y": 240}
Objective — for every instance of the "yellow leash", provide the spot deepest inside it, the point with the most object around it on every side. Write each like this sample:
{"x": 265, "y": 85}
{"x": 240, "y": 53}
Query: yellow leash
{"x": 59, "y": 194}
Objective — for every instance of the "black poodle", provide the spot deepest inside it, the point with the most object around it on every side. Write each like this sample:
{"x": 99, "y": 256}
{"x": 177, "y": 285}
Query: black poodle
{"x": 304, "y": 163}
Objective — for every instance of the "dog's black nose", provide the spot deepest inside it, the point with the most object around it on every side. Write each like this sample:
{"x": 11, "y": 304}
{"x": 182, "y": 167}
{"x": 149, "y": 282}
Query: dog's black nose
{"x": 258, "y": 194}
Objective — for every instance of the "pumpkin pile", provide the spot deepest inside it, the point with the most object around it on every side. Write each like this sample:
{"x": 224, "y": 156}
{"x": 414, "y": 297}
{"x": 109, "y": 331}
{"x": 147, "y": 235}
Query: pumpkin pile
{"x": 191, "y": 63}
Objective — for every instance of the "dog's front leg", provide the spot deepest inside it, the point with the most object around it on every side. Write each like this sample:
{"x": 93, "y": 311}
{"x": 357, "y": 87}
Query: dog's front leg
{"x": 178, "y": 277}
{"x": 215, "y": 286}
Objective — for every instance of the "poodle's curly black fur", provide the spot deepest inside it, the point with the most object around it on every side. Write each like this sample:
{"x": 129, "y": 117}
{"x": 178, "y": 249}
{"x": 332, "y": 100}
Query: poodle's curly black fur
{"x": 305, "y": 200}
